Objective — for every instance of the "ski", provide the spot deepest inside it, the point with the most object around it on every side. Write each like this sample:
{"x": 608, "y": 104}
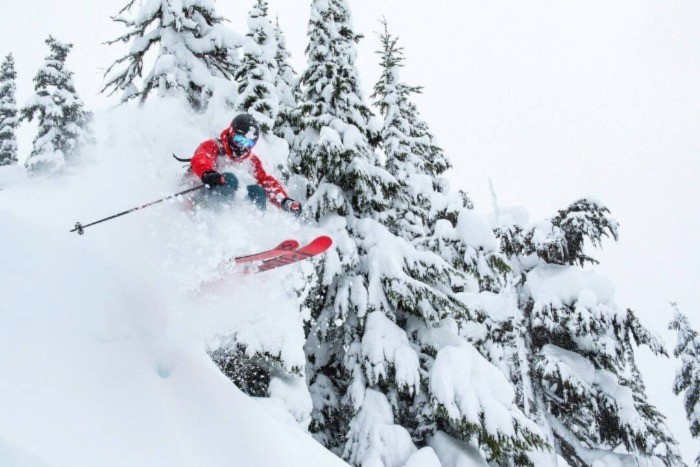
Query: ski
{"x": 282, "y": 248}
{"x": 317, "y": 246}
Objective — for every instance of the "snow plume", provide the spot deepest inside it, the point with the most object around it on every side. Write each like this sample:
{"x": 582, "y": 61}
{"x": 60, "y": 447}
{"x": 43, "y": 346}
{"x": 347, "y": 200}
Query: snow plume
{"x": 113, "y": 349}
{"x": 197, "y": 54}
{"x": 64, "y": 124}
{"x": 575, "y": 371}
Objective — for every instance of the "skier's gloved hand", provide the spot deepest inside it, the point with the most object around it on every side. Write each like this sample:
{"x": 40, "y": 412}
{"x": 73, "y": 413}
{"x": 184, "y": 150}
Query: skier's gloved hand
{"x": 212, "y": 179}
{"x": 289, "y": 205}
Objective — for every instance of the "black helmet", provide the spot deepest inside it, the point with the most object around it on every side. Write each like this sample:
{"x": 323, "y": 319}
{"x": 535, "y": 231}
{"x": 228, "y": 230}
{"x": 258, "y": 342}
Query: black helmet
{"x": 245, "y": 132}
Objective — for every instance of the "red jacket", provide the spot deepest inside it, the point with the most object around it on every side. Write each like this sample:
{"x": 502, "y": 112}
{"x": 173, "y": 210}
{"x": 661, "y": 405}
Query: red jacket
{"x": 206, "y": 155}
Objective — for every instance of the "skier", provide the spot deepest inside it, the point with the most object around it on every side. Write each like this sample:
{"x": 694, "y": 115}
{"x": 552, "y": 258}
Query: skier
{"x": 214, "y": 160}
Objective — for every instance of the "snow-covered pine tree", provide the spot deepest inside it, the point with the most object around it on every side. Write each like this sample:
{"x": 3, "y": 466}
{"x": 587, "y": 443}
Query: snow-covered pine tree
{"x": 64, "y": 124}
{"x": 9, "y": 119}
{"x": 194, "y": 49}
{"x": 424, "y": 207}
{"x": 688, "y": 374}
{"x": 388, "y": 370}
{"x": 576, "y": 374}
{"x": 435, "y": 219}
{"x": 257, "y": 74}
{"x": 412, "y": 155}
{"x": 287, "y": 85}
{"x": 335, "y": 158}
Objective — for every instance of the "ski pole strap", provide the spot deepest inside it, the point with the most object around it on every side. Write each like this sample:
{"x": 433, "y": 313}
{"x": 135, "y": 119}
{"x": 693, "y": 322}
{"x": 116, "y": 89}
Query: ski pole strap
{"x": 80, "y": 227}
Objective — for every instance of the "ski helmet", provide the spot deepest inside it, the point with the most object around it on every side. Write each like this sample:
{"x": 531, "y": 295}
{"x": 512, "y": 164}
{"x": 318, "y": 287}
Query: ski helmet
{"x": 244, "y": 134}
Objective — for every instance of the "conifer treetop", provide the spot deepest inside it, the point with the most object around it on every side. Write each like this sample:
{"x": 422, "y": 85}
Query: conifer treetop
{"x": 7, "y": 70}
{"x": 687, "y": 380}
{"x": 401, "y": 117}
{"x": 257, "y": 73}
{"x": 334, "y": 150}
{"x": 64, "y": 124}
{"x": 287, "y": 84}
{"x": 286, "y": 76}
{"x": 411, "y": 154}
{"x": 194, "y": 49}
{"x": 331, "y": 81}
{"x": 9, "y": 120}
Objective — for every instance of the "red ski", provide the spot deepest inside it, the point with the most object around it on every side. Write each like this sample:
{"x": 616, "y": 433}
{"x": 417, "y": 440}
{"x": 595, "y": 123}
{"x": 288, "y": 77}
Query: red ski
{"x": 317, "y": 246}
{"x": 279, "y": 250}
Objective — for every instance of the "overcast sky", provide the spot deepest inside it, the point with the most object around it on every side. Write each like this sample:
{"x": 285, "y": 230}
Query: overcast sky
{"x": 552, "y": 100}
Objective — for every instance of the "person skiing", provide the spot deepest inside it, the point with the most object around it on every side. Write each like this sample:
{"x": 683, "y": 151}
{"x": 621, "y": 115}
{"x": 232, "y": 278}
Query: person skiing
{"x": 214, "y": 160}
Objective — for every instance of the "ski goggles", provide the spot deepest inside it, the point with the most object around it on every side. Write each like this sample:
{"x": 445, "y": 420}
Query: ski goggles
{"x": 242, "y": 142}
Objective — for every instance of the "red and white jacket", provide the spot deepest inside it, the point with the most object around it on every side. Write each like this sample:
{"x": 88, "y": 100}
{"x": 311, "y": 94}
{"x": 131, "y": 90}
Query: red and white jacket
{"x": 214, "y": 154}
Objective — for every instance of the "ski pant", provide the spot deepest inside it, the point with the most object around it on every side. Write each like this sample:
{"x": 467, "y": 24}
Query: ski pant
{"x": 256, "y": 193}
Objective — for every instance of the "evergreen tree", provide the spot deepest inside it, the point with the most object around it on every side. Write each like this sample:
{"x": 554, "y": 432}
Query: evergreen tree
{"x": 688, "y": 375}
{"x": 257, "y": 74}
{"x": 344, "y": 186}
{"x": 287, "y": 85}
{"x": 9, "y": 120}
{"x": 64, "y": 124}
{"x": 576, "y": 374}
{"x": 388, "y": 369}
{"x": 412, "y": 156}
{"x": 424, "y": 208}
{"x": 194, "y": 49}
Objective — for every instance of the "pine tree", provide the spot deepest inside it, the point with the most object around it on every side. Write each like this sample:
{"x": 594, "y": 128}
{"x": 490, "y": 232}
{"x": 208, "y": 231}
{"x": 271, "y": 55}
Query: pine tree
{"x": 388, "y": 369}
{"x": 412, "y": 155}
{"x": 9, "y": 120}
{"x": 344, "y": 186}
{"x": 576, "y": 374}
{"x": 688, "y": 375}
{"x": 64, "y": 124}
{"x": 424, "y": 207}
{"x": 194, "y": 49}
{"x": 257, "y": 74}
{"x": 287, "y": 84}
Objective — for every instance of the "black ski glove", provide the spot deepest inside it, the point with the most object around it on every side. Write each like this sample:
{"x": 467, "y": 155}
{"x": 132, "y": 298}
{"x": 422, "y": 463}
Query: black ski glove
{"x": 212, "y": 179}
{"x": 289, "y": 205}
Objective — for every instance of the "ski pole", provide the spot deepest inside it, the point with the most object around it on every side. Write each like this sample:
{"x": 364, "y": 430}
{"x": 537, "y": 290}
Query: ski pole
{"x": 79, "y": 227}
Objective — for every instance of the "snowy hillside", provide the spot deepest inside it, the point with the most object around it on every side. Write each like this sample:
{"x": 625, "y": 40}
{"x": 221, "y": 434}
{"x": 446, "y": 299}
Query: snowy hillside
{"x": 427, "y": 334}
{"x": 102, "y": 337}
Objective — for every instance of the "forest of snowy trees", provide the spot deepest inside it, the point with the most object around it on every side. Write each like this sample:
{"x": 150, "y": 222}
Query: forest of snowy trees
{"x": 434, "y": 334}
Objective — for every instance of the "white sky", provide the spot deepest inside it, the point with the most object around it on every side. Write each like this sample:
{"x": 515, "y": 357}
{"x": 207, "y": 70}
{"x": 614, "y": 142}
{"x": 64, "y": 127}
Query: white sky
{"x": 551, "y": 99}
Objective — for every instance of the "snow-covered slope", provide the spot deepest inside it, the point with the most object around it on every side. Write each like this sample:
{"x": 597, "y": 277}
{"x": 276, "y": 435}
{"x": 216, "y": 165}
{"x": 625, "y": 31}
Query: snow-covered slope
{"x": 103, "y": 337}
